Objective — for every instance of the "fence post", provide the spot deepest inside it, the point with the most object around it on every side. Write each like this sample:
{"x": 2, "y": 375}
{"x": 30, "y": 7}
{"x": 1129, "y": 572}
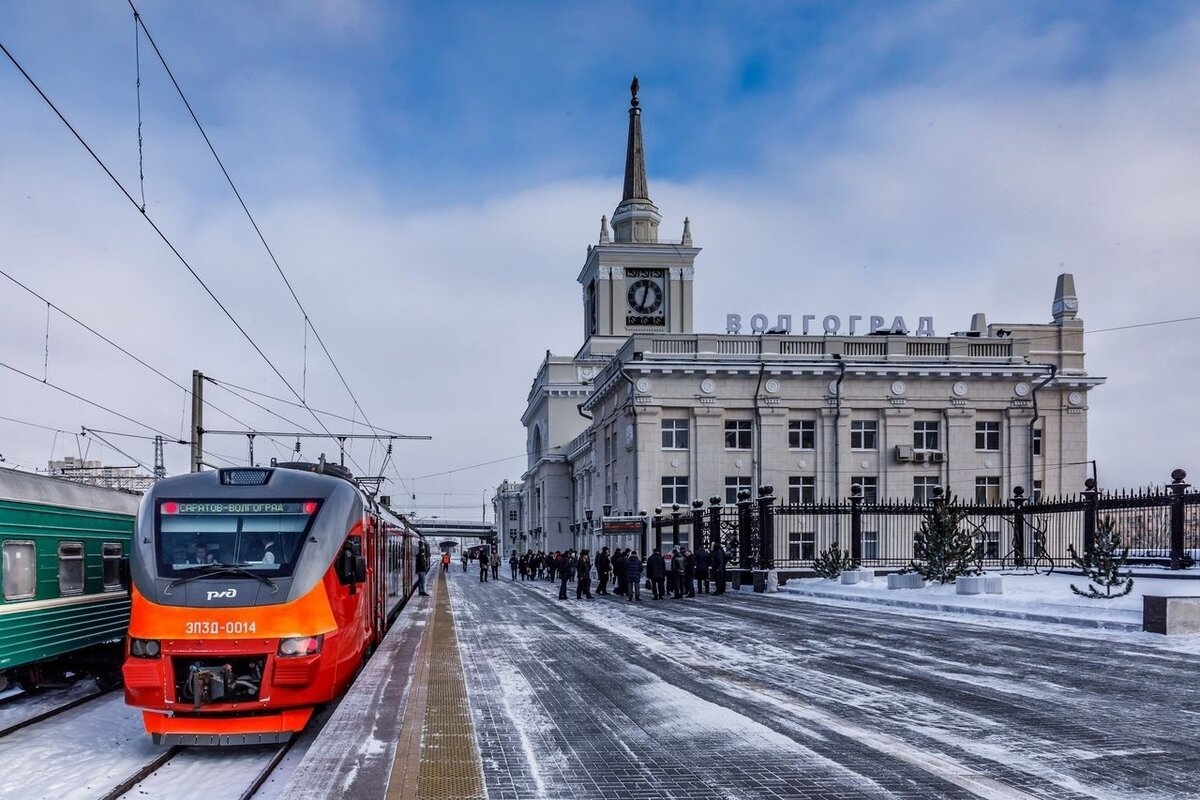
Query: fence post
{"x": 766, "y": 527}
{"x": 1089, "y": 515}
{"x": 658, "y": 523}
{"x": 1018, "y": 548}
{"x": 744, "y": 504}
{"x": 1177, "y": 487}
{"x": 856, "y": 498}
{"x": 675, "y": 525}
{"x": 645, "y": 534}
{"x": 715, "y": 507}
{"x": 697, "y": 524}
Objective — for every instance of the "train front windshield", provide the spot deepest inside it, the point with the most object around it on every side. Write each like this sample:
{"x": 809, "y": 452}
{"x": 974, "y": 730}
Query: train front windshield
{"x": 263, "y": 537}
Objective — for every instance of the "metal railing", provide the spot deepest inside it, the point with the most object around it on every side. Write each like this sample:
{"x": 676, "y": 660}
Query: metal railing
{"x": 1158, "y": 526}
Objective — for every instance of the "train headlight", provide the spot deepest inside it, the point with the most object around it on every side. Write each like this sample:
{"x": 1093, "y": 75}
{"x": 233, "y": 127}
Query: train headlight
{"x": 144, "y": 648}
{"x": 301, "y": 646}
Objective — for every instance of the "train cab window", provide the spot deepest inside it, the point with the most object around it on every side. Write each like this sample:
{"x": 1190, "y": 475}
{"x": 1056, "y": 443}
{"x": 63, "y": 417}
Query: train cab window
{"x": 20, "y": 575}
{"x": 112, "y": 552}
{"x": 264, "y": 537}
{"x": 70, "y": 568}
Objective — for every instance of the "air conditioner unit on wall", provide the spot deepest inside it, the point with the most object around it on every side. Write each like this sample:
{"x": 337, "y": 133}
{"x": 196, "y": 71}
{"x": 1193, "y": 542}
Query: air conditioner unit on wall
{"x": 904, "y": 453}
{"x": 937, "y": 456}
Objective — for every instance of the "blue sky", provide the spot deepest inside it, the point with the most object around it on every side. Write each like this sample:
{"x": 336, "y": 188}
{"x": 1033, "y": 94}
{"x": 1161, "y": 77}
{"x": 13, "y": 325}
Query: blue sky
{"x": 441, "y": 168}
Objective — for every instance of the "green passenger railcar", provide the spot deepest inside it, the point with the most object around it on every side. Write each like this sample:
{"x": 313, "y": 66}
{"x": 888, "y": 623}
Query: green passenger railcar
{"x": 64, "y": 608}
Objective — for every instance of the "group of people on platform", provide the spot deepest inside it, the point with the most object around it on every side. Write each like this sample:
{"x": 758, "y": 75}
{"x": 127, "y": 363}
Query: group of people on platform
{"x": 684, "y": 573}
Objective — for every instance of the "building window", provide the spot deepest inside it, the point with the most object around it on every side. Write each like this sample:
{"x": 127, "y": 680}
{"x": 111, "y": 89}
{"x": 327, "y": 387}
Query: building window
{"x": 512, "y": 515}
{"x": 802, "y": 434}
{"x": 802, "y": 545}
{"x": 864, "y": 434}
{"x": 20, "y": 580}
{"x": 738, "y": 434}
{"x": 674, "y": 434}
{"x": 733, "y": 485}
{"x": 987, "y": 436}
{"x": 987, "y": 489}
{"x": 112, "y": 552}
{"x": 675, "y": 490}
{"x": 870, "y": 487}
{"x": 923, "y": 486}
{"x": 802, "y": 489}
{"x": 1037, "y": 491}
{"x": 1037, "y": 441}
{"x": 870, "y": 545}
{"x": 925, "y": 435}
{"x": 70, "y": 568}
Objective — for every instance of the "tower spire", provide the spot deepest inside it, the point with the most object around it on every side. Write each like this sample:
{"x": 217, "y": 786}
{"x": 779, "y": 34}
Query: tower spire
{"x": 636, "y": 218}
{"x": 635, "y": 157}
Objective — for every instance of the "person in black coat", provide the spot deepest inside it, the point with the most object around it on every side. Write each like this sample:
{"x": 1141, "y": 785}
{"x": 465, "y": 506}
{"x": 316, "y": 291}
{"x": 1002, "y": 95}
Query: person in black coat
{"x": 656, "y": 571}
{"x": 483, "y": 566}
{"x": 618, "y": 561}
{"x": 633, "y": 577}
{"x": 422, "y": 566}
{"x": 583, "y": 573}
{"x": 603, "y": 570}
{"x": 566, "y": 571}
{"x": 703, "y": 559}
{"x": 719, "y": 560}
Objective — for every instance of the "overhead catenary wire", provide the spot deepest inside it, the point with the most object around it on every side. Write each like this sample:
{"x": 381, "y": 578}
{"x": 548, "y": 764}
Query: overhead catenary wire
{"x": 150, "y": 221}
{"x": 83, "y": 399}
{"x": 187, "y": 392}
{"x": 139, "y": 20}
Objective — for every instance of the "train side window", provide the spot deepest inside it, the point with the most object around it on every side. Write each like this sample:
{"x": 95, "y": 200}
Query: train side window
{"x": 20, "y": 574}
{"x": 70, "y": 568}
{"x": 112, "y": 566}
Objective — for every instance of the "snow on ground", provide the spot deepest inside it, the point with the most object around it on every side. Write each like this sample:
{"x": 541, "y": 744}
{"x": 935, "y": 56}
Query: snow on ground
{"x": 81, "y": 753}
{"x": 1045, "y": 598}
{"x": 19, "y": 707}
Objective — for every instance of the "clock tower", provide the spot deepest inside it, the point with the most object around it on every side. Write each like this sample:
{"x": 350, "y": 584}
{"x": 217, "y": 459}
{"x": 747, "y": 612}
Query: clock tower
{"x": 634, "y": 282}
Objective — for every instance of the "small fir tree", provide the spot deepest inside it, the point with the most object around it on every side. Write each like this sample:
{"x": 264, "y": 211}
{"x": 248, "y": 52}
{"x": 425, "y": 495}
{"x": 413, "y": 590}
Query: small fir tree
{"x": 1102, "y": 564}
{"x": 942, "y": 549}
{"x": 832, "y": 562}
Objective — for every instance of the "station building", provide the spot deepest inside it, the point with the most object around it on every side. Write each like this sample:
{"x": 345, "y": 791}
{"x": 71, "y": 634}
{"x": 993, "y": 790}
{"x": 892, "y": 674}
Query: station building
{"x": 649, "y": 413}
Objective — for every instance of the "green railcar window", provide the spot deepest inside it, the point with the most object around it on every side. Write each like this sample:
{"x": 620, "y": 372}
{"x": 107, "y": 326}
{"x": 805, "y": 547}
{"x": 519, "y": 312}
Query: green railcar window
{"x": 70, "y": 568}
{"x": 112, "y": 565}
{"x": 20, "y": 575}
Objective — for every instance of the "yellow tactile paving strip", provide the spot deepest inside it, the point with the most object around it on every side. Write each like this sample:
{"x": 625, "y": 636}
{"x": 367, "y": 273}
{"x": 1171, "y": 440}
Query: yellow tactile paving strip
{"x": 438, "y": 756}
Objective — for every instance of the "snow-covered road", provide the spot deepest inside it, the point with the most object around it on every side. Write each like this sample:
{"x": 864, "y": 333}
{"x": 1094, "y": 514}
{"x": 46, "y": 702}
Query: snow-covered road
{"x": 752, "y": 696}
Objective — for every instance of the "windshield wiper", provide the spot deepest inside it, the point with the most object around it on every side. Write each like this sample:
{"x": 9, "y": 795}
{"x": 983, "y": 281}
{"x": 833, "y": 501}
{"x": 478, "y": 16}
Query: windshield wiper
{"x": 206, "y": 570}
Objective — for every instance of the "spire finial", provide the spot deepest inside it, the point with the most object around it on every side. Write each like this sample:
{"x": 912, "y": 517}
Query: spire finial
{"x": 604, "y": 230}
{"x": 687, "y": 232}
{"x": 633, "y": 90}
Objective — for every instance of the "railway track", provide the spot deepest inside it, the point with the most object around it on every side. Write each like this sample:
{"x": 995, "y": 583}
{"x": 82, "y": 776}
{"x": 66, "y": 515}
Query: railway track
{"x": 53, "y": 712}
{"x": 240, "y": 775}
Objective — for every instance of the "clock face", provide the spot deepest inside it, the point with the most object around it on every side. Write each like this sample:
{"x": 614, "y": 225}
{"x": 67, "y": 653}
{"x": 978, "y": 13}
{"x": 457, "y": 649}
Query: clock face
{"x": 645, "y": 296}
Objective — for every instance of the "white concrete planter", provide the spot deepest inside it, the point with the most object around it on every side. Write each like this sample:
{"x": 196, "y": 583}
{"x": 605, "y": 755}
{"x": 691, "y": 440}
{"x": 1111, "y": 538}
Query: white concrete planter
{"x": 993, "y": 584}
{"x": 970, "y": 584}
{"x": 852, "y": 576}
{"x": 905, "y": 580}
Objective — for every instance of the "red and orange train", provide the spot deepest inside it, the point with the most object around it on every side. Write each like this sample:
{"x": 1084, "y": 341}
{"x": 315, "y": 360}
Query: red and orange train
{"x": 257, "y": 594}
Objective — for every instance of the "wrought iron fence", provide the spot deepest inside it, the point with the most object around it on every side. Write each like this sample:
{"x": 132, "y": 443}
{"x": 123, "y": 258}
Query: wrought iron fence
{"x": 1158, "y": 526}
